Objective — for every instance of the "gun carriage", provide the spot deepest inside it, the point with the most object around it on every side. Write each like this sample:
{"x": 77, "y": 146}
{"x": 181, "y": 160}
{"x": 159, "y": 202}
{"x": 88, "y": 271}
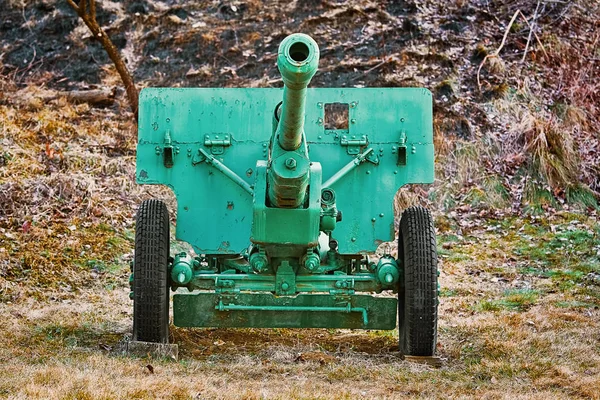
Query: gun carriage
{"x": 284, "y": 209}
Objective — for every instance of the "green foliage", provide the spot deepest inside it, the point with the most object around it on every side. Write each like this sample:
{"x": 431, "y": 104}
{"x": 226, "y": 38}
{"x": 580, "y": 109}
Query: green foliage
{"x": 566, "y": 257}
{"x": 519, "y": 299}
{"x": 582, "y": 196}
{"x": 538, "y": 197}
{"x": 513, "y": 300}
{"x": 446, "y": 292}
{"x": 488, "y": 305}
{"x": 574, "y": 304}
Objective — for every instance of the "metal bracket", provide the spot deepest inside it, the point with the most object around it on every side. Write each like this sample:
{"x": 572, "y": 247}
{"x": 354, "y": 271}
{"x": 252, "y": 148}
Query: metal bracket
{"x": 203, "y": 156}
{"x": 354, "y": 144}
{"x": 367, "y": 155}
{"x": 402, "y": 149}
{"x": 285, "y": 279}
{"x": 372, "y": 158}
{"x": 167, "y": 151}
{"x": 225, "y": 286}
{"x": 217, "y": 142}
{"x": 345, "y": 284}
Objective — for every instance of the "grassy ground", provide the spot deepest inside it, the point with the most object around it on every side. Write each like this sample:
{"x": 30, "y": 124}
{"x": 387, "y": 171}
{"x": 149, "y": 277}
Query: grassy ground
{"x": 518, "y": 320}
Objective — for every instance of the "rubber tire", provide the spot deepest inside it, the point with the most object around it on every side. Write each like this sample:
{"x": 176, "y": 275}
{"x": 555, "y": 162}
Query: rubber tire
{"x": 150, "y": 269}
{"x": 417, "y": 296}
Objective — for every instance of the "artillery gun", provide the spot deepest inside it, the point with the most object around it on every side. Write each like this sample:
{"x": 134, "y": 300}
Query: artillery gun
{"x": 284, "y": 196}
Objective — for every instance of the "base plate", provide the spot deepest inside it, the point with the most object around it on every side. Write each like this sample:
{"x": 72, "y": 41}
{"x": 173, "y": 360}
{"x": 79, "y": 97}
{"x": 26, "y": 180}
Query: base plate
{"x": 149, "y": 349}
{"x": 433, "y": 361}
{"x": 265, "y": 310}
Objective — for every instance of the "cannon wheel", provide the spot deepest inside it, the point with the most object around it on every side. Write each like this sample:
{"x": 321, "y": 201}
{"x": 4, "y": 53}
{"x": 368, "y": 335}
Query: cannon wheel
{"x": 417, "y": 303}
{"x": 150, "y": 269}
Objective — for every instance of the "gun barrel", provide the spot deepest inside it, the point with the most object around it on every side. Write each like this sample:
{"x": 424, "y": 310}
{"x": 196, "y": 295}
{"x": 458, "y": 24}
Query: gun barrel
{"x": 297, "y": 60}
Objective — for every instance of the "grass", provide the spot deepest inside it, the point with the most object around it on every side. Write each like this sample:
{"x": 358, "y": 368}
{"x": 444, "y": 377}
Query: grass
{"x": 566, "y": 257}
{"x": 71, "y": 360}
{"x": 496, "y": 339}
{"x": 513, "y": 299}
{"x": 64, "y": 218}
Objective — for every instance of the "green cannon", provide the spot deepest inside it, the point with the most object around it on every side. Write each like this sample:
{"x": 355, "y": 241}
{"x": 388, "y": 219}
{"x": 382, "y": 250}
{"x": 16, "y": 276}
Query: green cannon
{"x": 284, "y": 196}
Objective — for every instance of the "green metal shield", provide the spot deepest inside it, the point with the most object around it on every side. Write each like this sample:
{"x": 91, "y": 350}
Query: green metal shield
{"x": 179, "y": 128}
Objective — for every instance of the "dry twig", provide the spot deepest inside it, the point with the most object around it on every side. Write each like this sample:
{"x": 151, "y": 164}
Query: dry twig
{"x": 532, "y": 29}
{"x": 496, "y": 53}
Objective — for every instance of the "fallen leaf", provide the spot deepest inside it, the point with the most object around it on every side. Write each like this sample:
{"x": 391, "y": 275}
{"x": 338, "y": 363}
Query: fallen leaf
{"x": 26, "y": 226}
{"x": 175, "y": 19}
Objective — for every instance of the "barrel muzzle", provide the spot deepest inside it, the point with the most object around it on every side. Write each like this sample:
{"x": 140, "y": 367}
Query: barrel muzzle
{"x": 297, "y": 60}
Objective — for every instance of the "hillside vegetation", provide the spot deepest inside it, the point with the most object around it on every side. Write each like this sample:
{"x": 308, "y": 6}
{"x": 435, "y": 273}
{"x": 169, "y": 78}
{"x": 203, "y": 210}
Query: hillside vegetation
{"x": 517, "y": 125}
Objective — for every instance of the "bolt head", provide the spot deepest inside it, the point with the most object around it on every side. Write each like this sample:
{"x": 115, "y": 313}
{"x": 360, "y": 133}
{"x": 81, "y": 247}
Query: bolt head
{"x": 290, "y": 163}
{"x": 312, "y": 265}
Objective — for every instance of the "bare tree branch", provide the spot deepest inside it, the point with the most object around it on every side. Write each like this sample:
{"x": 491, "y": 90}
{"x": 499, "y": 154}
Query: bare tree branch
{"x": 88, "y": 15}
{"x": 92, "y": 9}
{"x": 496, "y": 53}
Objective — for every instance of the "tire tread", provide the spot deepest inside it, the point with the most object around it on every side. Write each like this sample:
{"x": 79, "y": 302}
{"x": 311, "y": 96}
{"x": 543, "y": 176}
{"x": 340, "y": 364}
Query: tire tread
{"x": 418, "y": 316}
{"x": 150, "y": 269}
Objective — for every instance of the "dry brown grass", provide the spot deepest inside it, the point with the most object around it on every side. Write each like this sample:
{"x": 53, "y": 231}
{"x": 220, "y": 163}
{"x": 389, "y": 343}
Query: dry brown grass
{"x": 68, "y": 345}
{"x": 67, "y": 195}
{"x": 69, "y": 349}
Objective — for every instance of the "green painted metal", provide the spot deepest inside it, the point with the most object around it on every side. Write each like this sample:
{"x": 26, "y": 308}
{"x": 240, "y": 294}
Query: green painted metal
{"x": 388, "y": 272}
{"x": 297, "y": 60}
{"x": 285, "y": 232}
{"x": 265, "y": 310}
{"x": 279, "y": 205}
{"x": 214, "y": 214}
{"x": 209, "y": 159}
{"x": 286, "y": 308}
{"x": 182, "y": 270}
{"x": 304, "y": 283}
